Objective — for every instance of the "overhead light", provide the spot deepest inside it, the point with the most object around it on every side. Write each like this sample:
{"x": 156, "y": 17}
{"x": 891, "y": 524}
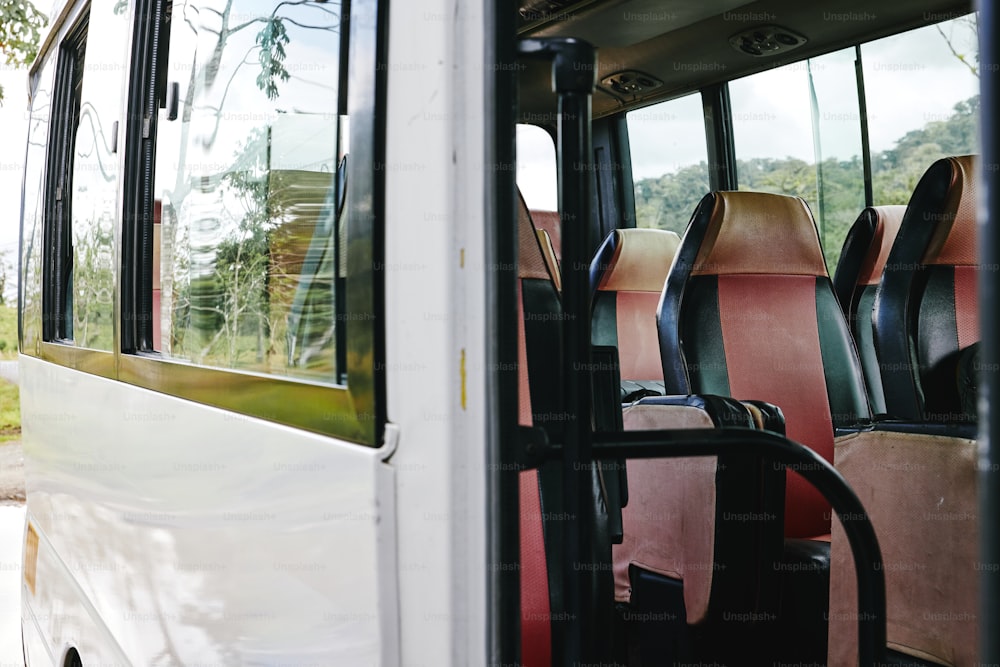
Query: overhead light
{"x": 766, "y": 40}
{"x": 631, "y": 82}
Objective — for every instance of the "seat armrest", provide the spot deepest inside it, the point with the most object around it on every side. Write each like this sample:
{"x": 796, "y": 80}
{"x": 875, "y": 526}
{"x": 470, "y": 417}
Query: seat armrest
{"x": 723, "y": 411}
{"x": 710, "y": 522}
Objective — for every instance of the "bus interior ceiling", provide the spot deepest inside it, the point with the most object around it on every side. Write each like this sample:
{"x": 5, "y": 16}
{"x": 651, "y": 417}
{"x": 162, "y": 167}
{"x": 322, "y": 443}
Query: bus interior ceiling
{"x": 685, "y": 45}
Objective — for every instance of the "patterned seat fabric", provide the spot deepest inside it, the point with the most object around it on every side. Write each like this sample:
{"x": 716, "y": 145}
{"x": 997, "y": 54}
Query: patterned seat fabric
{"x": 678, "y": 518}
{"x": 855, "y": 282}
{"x": 918, "y": 477}
{"x": 627, "y": 276}
{"x": 926, "y": 309}
{"x": 748, "y": 311}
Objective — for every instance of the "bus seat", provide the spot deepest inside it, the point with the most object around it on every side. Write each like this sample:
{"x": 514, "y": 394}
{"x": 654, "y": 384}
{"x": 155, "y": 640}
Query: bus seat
{"x": 679, "y": 523}
{"x": 549, "y": 222}
{"x": 680, "y": 555}
{"x": 748, "y": 311}
{"x": 627, "y": 276}
{"x": 540, "y": 490}
{"x": 926, "y": 309}
{"x": 918, "y": 478}
{"x": 856, "y": 279}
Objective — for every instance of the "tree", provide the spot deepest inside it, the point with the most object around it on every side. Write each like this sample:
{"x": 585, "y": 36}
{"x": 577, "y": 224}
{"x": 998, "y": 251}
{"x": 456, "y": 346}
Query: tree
{"x": 667, "y": 201}
{"x": 965, "y": 41}
{"x": 20, "y": 30}
{"x": 240, "y": 275}
{"x": 6, "y": 272}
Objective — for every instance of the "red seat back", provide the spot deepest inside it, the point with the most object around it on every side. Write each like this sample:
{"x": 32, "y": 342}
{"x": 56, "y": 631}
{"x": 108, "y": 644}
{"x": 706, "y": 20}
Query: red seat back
{"x": 627, "y": 275}
{"x": 748, "y": 311}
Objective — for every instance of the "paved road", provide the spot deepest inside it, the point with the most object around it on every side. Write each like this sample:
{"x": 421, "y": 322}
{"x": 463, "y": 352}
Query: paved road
{"x": 11, "y": 473}
{"x": 11, "y": 534}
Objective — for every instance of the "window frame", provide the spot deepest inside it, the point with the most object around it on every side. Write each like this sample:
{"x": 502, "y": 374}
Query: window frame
{"x": 58, "y": 200}
{"x": 53, "y": 345}
{"x": 355, "y": 411}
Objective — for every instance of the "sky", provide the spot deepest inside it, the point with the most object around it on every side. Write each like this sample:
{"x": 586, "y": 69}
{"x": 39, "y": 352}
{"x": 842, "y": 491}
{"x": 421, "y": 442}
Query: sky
{"x": 14, "y": 124}
{"x": 899, "y": 71}
{"x": 13, "y": 120}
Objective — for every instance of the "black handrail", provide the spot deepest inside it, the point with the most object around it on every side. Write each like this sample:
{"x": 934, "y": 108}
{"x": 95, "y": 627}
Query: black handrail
{"x": 792, "y": 456}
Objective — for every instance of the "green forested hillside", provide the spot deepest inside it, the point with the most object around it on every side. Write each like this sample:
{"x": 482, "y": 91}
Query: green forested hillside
{"x": 835, "y": 190}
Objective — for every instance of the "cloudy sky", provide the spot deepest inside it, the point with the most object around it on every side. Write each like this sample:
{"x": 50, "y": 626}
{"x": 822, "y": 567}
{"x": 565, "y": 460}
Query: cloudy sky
{"x": 771, "y": 110}
{"x": 13, "y": 124}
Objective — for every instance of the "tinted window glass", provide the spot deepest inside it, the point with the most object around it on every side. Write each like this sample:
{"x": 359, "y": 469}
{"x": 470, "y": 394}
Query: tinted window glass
{"x": 798, "y": 132}
{"x": 922, "y": 89}
{"x": 669, "y": 162}
{"x": 250, "y": 182}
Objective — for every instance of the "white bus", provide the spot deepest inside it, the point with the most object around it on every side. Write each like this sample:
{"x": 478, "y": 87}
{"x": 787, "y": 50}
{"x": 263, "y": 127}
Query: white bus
{"x": 487, "y": 333}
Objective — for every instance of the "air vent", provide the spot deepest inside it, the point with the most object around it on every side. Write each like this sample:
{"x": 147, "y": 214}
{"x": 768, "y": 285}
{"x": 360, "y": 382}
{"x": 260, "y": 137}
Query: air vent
{"x": 631, "y": 82}
{"x": 767, "y": 40}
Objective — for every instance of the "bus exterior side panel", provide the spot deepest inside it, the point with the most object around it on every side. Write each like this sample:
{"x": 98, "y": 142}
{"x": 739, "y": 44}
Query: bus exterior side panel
{"x": 193, "y": 535}
{"x": 435, "y": 330}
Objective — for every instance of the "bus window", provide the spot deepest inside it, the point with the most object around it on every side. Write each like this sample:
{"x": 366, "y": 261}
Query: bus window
{"x": 797, "y": 130}
{"x": 536, "y": 181}
{"x": 81, "y": 193}
{"x": 95, "y": 183}
{"x": 908, "y": 128}
{"x": 58, "y": 240}
{"x": 249, "y": 186}
{"x": 669, "y": 168}
{"x": 536, "y": 168}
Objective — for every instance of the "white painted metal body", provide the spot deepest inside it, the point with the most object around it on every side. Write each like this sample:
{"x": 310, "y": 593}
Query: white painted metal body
{"x": 175, "y": 533}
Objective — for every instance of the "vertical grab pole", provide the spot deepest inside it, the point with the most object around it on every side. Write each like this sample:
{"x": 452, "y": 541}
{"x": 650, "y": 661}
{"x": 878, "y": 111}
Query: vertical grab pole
{"x": 573, "y": 79}
{"x": 575, "y": 174}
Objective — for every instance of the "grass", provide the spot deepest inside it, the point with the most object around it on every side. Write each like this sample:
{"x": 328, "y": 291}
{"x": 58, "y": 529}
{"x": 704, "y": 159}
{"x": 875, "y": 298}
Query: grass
{"x": 10, "y": 401}
{"x": 10, "y": 412}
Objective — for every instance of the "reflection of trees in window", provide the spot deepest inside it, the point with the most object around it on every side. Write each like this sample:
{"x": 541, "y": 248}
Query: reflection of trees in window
{"x": 243, "y": 281}
{"x": 226, "y": 306}
{"x": 242, "y": 206}
{"x": 92, "y": 310}
{"x": 93, "y": 146}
